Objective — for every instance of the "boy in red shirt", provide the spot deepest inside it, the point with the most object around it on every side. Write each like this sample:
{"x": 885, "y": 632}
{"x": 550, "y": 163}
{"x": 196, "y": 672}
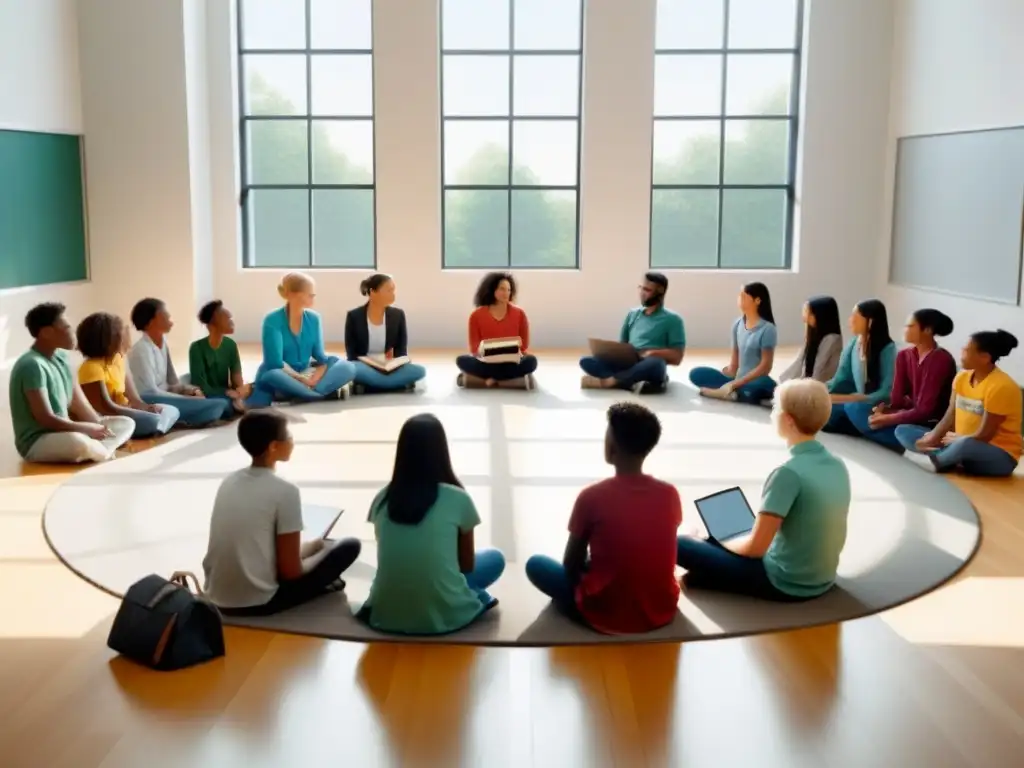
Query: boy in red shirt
{"x": 629, "y": 524}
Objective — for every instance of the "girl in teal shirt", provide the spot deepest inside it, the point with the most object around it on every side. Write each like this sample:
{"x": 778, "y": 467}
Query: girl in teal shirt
{"x": 866, "y": 367}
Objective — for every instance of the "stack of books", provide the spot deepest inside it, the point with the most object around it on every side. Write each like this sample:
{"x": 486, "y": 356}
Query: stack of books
{"x": 500, "y": 350}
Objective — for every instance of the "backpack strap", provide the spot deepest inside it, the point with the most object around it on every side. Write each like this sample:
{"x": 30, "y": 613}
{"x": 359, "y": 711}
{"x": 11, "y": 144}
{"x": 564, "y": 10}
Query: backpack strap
{"x": 181, "y": 578}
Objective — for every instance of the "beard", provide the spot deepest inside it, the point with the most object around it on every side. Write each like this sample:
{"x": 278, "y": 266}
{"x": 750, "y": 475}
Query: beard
{"x": 653, "y": 301}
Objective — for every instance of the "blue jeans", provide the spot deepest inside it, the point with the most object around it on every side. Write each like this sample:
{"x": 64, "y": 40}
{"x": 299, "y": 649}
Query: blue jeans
{"x": 280, "y": 386}
{"x": 857, "y": 414}
{"x": 753, "y": 392}
{"x": 153, "y": 424}
{"x": 839, "y": 423}
{"x": 378, "y": 381}
{"x": 711, "y": 566}
{"x": 488, "y": 566}
{"x": 194, "y": 411}
{"x": 653, "y": 370}
{"x": 972, "y": 456}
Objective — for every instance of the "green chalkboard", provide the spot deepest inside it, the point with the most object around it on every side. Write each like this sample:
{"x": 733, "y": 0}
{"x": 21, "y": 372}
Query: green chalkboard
{"x": 42, "y": 210}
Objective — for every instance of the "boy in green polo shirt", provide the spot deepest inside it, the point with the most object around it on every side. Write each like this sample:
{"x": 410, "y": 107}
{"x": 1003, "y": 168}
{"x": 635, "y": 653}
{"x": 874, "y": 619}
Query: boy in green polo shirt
{"x": 214, "y": 363}
{"x": 793, "y": 550}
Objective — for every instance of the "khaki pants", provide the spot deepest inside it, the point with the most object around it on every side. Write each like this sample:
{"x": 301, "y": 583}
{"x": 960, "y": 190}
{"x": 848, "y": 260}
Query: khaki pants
{"x": 76, "y": 448}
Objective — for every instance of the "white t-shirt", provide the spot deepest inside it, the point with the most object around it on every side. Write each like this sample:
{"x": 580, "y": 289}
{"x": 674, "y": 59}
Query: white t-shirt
{"x": 378, "y": 337}
{"x": 252, "y": 508}
{"x": 151, "y": 367}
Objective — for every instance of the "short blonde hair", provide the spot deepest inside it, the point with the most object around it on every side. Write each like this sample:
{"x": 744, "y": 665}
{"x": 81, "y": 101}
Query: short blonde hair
{"x": 294, "y": 282}
{"x": 807, "y": 402}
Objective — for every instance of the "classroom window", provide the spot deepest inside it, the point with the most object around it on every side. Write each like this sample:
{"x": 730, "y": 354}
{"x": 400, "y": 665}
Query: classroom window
{"x": 510, "y": 138}
{"x": 307, "y": 133}
{"x": 726, "y": 90}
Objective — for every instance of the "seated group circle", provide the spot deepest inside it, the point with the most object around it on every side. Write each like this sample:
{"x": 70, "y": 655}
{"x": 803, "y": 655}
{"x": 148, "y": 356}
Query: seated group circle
{"x": 615, "y": 576}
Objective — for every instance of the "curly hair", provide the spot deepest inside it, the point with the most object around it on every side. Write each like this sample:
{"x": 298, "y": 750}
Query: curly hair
{"x": 635, "y": 428}
{"x": 43, "y": 316}
{"x": 485, "y": 291}
{"x": 144, "y": 312}
{"x": 209, "y": 311}
{"x": 99, "y": 335}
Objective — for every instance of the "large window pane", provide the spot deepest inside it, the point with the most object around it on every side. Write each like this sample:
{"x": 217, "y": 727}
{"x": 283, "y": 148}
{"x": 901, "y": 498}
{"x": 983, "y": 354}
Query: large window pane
{"x": 547, "y": 25}
{"x": 753, "y": 228}
{"x": 341, "y": 24}
{"x": 686, "y": 151}
{"x": 342, "y": 152}
{"x": 543, "y": 228}
{"x": 278, "y": 227}
{"x": 756, "y": 151}
{"x": 689, "y": 85}
{"x": 476, "y": 152}
{"x": 274, "y": 84}
{"x": 758, "y": 84}
{"x": 690, "y": 24}
{"x": 546, "y": 85}
{"x": 476, "y": 228}
{"x": 277, "y": 152}
{"x": 343, "y": 228}
{"x": 684, "y": 228}
{"x": 477, "y": 25}
{"x": 342, "y": 85}
{"x": 762, "y": 24}
{"x": 476, "y": 86}
{"x": 544, "y": 153}
{"x": 273, "y": 24}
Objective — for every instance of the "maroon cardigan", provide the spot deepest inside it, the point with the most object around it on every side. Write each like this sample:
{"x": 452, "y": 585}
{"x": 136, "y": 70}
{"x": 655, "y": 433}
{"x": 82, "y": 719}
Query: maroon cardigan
{"x": 921, "y": 388}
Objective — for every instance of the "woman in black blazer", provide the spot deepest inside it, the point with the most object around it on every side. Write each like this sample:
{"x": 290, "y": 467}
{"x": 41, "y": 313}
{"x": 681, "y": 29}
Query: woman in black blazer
{"x": 377, "y": 330}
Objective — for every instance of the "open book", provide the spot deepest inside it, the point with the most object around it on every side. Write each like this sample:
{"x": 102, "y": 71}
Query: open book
{"x": 500, "y": 350}
{"x": 383, "y": 365}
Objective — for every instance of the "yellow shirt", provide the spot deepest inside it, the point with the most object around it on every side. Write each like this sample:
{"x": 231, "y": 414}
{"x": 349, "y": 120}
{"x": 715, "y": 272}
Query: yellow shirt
{"x": 112, "y": 374}
{"x": 998, "y": 394}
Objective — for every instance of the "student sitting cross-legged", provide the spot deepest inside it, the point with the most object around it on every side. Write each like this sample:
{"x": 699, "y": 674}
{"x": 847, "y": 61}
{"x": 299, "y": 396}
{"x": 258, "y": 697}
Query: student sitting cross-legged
{"x": 376, "y": 330}
{"x": 980, "y": 433}
{"x": 153, "y": 370}
{"x": 921, "y": 383}
{"x": 497, "y": 317}
{"x": 430, "y": 579}
{"x": 628, "y": 524}
{"x": 103, "y": 339}
{"x": 655, "y": 332}
{"x": 793, "y": 550}
{"x": 256, "y": 563}
{"x": 214, "y": 364}
{"x": 295, "y": 365}
{"x": 823, "y": 342}
{"x": 53, "y": 422}
{"x": 747, "y": 376}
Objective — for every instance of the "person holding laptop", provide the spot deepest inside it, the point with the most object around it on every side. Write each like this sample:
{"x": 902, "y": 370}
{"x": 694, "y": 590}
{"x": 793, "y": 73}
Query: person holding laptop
{"x": 651, "y": 339}
{"x": 791, "y": 551}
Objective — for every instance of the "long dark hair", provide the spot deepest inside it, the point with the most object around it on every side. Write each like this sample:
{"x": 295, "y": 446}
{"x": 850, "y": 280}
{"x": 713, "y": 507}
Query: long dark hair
{"x": 422, "y": 463}
{"x": 826, "y": 321}
{"x": 878, "y": 338}
{"x": 759, "y": 291}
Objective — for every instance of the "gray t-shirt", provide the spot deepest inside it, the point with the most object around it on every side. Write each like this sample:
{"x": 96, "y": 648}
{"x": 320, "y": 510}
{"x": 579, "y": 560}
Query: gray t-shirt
{"x": 751, "y": 341}
{"x": 252, "y": 508}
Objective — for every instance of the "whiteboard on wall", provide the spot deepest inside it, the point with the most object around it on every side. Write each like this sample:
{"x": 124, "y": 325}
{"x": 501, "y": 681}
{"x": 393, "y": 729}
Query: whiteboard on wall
{"x": 958, "y": 214}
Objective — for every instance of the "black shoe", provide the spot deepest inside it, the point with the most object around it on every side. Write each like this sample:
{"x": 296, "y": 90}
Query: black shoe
{"x": 649, "y": 388}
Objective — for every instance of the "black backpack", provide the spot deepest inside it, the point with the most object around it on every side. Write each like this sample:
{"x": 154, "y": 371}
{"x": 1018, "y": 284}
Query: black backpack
{"x": 165, "y": 626}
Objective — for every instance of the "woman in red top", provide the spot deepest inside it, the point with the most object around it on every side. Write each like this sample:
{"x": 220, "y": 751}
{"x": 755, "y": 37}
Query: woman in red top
{"x": 496, "y": 317}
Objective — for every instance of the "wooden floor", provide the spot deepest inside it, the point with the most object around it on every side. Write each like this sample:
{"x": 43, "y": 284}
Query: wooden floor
{"x": 938, "y": 682}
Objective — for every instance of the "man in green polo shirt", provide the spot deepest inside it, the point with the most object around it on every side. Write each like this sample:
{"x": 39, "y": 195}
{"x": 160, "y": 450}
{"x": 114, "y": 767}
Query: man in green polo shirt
{"x": 656, "y": 333}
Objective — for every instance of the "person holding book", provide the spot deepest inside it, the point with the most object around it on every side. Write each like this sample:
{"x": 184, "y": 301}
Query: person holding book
{"x": 295, "y": 365}
{"x": 153, "y": 369}
{"x": 256, "y": 563}
{"x": 499, "y": 321}
{"x": 103, "y": 339}
{"x": 214, "y": 363}
{"x": 377, "y": 341}
{"x": 980, "y": 433}
{"x": 921, "y": 384}
{"x": 655, "y": 333}
{"x": 792, "y": 552}
{"x": 430, "y": 578}
{"x": 747, "y": 377}
{"x": 823, "y": 342}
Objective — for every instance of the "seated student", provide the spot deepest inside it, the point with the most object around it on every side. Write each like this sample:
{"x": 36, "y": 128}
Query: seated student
{"x": 754, "y": 338}
{"x": 377, "y": 329}
{"x": 629, "y": 524}
{"x": 823, "y": 342}
{"x": 496, "y": 317}
{"x": 256, "y": 563}
{"x": 153, "y": 370}
{"x": 295, "y": 365}
{"x": 921, "y": 383}
{"x": 429, "y": 580}
{"x": 103, "y": 339}
{"x": 981, "y": 431}
{"x": 793, "y": 550}
{"x": 53, "y": 422}
{"x": 214, "y": 364}
{"x": 656, "y": 332}
{"x": 867, "y": 366}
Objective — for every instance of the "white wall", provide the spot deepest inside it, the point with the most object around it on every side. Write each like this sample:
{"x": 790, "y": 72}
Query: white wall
{"x": 957, "y": 65}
